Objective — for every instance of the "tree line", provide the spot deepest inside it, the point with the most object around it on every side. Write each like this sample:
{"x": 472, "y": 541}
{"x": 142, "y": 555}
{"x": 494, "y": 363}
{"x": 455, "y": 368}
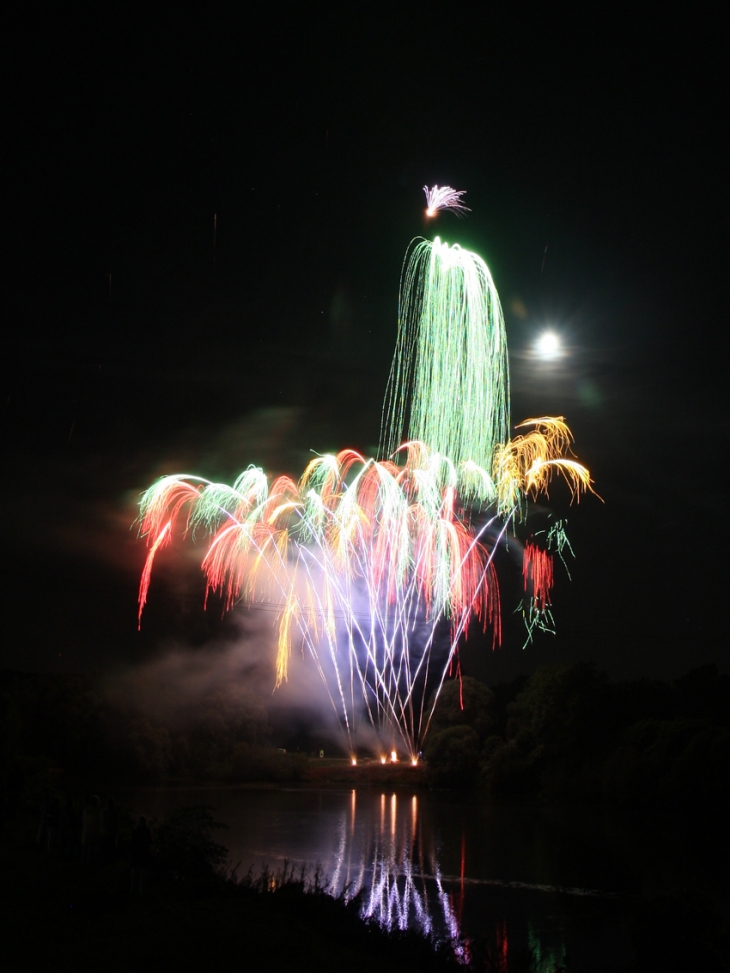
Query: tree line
{"x": 71, "y": 723}
{"x": 567, "y": 733}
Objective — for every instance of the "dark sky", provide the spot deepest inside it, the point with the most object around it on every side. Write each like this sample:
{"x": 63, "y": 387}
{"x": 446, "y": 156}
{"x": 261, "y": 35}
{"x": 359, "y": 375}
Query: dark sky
{"x": 592, "y": 152}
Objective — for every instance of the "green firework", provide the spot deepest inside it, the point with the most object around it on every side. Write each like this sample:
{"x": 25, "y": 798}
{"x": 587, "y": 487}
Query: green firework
{"x": 449, "y": 381}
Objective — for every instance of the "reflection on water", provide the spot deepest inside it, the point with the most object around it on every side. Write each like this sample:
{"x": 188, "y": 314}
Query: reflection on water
{"x": 506, "y": 888}
{"x": 545, "y": 956}
{"x": 390, "y": 865}
{"x": 390, "y": 858}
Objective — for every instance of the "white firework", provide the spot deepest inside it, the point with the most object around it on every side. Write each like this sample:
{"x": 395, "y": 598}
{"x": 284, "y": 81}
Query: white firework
{"x": 444, "y": 197}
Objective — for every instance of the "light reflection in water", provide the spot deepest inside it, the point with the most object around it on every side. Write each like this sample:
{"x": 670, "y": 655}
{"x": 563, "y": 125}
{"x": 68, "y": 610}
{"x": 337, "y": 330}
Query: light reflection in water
{"x": 545, "y": 956}
{"x": 396, "y": 874}
{"x": 484, "y": 881}
{"x": 391, "y": 860}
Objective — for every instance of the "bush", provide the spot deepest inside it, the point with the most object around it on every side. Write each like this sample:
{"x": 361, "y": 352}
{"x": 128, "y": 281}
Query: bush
{"x": 453, "y": 757}
{"x": 184, "y": 844}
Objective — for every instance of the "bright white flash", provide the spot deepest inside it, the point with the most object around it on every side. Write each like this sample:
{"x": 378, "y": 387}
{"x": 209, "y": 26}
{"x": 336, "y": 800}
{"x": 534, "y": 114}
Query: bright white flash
{"x": 445, "y": 198}
{"x": 548, "y": 345}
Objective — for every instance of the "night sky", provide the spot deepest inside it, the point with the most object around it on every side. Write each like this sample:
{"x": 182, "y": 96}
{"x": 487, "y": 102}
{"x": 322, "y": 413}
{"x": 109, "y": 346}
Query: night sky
{"x": 206, "y": 223}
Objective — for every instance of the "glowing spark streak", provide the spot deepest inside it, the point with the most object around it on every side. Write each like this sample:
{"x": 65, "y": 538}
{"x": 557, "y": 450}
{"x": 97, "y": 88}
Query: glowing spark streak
{"x": 489, "y": 568}
{"x": 216, "y": 575}
{"x": 449, "y": 381}
{"x": 537, "y": 572}
{"x": 527, "y": 463}
{"x": 445, "y": 198}
{"x": 395, "y": 531}
{"x": 162, "y": 538}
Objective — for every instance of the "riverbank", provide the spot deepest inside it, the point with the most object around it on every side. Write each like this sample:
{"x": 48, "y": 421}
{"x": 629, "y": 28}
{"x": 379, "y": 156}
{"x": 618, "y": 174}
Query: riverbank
{"x": 314, "y": 771}
{"x": 366, "y": 772}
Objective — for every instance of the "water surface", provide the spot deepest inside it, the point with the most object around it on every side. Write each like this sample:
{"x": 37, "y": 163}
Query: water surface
{"x": 506, "y": 880}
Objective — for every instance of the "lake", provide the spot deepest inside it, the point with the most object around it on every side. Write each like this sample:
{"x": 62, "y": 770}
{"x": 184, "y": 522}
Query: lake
{"x": 511, "y": 880}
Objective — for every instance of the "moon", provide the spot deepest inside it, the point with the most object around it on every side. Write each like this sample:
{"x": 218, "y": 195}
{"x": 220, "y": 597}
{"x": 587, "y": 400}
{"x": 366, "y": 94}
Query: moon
{"x": 547, "y": 346}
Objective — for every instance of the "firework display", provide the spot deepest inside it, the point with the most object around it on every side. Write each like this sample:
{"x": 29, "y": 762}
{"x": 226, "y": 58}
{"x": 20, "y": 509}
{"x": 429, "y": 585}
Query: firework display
{"x": 378, "y": 568}
{"x": 449, "y": 383}
{"x": 445, "y": 198}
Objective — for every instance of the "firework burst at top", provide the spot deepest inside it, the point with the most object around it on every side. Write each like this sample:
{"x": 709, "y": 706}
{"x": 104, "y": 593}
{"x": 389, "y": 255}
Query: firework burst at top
{"x": 378, "y": 568}
{"x": 445, "y": 198}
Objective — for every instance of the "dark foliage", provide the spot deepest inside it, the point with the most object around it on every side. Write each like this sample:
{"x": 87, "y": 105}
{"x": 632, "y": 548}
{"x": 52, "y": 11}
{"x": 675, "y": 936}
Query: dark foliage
{"x": 460, "y": 725}
{"x": 93, "y": 729}
{"x": 567, "y": 735}
{"x": 453, "y": 757}
{"x": 184, "y": 845}
{"x": 464, "y": 702}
